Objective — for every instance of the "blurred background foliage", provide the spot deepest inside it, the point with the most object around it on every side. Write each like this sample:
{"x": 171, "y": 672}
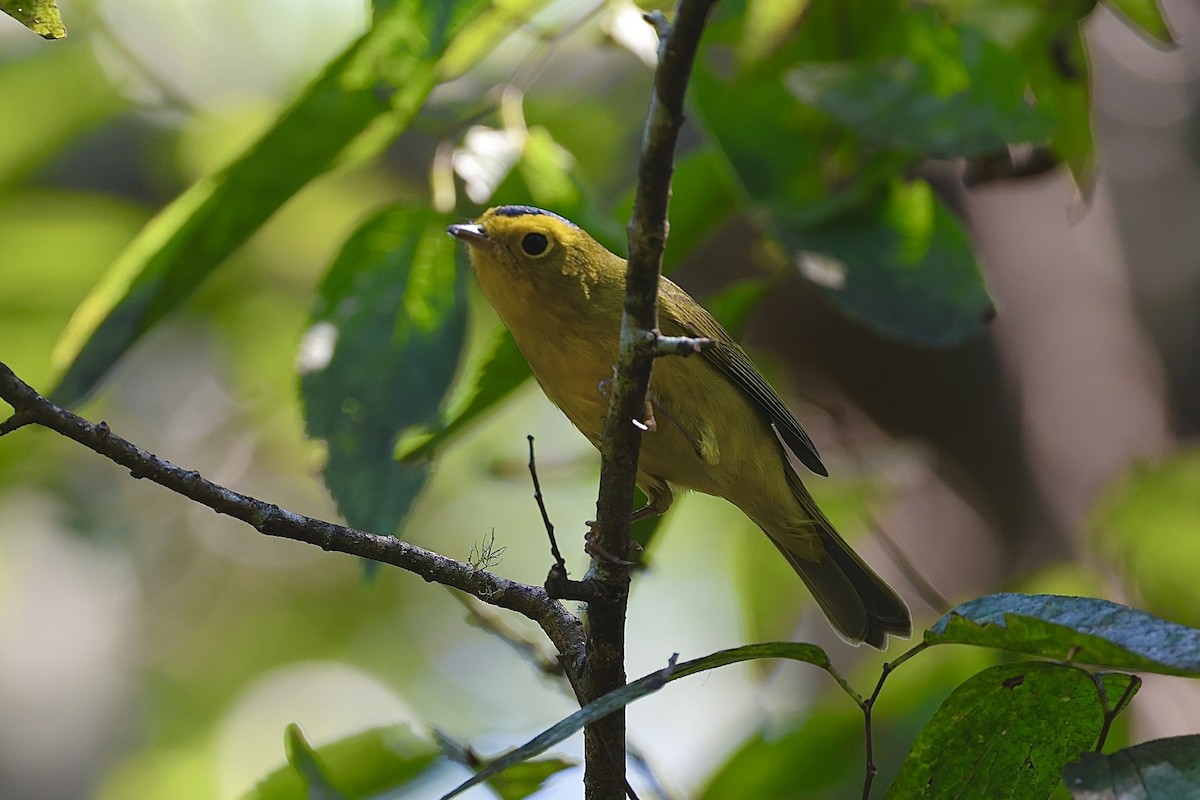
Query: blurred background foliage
{"x": 198, "y": 202}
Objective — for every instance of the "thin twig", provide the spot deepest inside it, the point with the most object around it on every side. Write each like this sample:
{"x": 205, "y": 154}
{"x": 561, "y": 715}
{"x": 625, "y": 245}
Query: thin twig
{"x": 868, "y": 708}
{"x": 541, "y": 503}
{"x": 563, "y": 628}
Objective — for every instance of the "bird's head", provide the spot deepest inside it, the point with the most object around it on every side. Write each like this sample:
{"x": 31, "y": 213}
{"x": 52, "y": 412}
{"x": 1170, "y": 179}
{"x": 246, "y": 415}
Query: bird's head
{"x": 530, "y": 245}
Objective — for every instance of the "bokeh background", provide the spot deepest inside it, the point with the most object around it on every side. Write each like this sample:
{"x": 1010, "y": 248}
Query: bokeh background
{"x": 151, "y": 649}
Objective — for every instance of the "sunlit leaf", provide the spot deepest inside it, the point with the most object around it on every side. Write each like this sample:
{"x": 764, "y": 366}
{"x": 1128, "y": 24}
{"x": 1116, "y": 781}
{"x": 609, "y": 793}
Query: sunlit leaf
{"x": 1163, "y": 769}
{"x": 374, "y": 87}
{"x": 360, "y": 766}
{"x": 40, "y": 16}
{"x": 379, "y": 358}
{"x": 1006, "y": 732}
{"x": 1084, "y": 630}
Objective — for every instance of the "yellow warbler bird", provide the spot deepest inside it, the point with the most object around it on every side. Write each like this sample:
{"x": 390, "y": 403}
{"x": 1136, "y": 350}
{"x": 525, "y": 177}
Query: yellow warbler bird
{"x": 718, "y": 428}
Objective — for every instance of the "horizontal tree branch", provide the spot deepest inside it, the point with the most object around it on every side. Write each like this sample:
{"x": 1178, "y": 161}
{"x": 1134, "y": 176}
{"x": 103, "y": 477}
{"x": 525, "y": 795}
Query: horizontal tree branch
{"x": 561, "y": 626}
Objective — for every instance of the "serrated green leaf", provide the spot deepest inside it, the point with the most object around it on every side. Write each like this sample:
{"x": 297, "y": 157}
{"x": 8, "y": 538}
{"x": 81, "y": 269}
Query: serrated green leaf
{"x": 362, "y": 766}
{"x": 905, "y": 267}
{"x": 1006, "y": 732}
{"x": 1145, "y": 16}
{"x": 649, "y": 684}
{"x": 1146, "y": 524}
{"x": 1084, "y": 630}
{"x": 307, "y": 765}
{"x": 374, "y": 87}
{"x": 40, "y": 16}
{"x": 380, "y": 356}
{"x": 1163, "y": 769}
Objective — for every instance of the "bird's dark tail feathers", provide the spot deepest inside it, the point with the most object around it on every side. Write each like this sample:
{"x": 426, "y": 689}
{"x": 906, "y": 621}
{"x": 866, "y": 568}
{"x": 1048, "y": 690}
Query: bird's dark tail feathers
{"x": 859, "y": 604}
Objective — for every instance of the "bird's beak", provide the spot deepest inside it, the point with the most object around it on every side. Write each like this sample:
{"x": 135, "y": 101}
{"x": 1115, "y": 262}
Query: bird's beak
{"x": 470, "y": 233}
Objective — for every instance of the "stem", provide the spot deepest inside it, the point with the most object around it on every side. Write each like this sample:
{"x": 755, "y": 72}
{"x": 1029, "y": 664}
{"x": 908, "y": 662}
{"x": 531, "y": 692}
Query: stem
{"x": 604, "y": 667}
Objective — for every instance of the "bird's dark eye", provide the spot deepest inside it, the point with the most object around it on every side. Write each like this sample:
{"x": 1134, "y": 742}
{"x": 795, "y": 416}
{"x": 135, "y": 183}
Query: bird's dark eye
{"x": 534, "y": 244}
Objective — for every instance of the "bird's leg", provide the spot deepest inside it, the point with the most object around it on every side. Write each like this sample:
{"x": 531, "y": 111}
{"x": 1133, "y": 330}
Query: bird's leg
{"x": 658, "y": 503}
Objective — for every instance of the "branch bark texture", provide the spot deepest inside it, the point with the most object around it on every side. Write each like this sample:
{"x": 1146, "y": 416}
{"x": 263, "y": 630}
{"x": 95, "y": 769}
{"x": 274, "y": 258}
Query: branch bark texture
{"x": 561, "y": 626}
{"x": 604, "y": 666}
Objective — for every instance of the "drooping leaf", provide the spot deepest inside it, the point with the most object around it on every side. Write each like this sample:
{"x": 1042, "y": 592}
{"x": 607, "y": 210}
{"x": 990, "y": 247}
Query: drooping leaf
{"x": 1007, "y": 732}
{"x": 619, "y": 698}
{"x": 40, "y": 16}
{"x": 1084, "y": 630}
{"x": 379, "y": 358}
{"x": 1163, "y": 769}
{"x": 362, "y": 766}
{"x": 374, "y": 87}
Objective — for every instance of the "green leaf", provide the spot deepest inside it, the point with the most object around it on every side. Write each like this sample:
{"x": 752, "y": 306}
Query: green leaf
{"x": 1163, "y": 769}
{"x": 1084, "y": 630}
{"x": 40, "y": 16}
{"x": 501, "y": 370}
{"x": 304, "y": 760}
{"x": 362, "y": 766}
{"x": 957, "y": 94}
{"x": 903, "y": 266}
{"x": 1145, "y": 16}
{"x": 1006, "y": 732}
{"x": 380, "y": 355}
{"x": 1146, "y": 523}
{"x": 646, "y": 685}
{"x": 376, "y": 87}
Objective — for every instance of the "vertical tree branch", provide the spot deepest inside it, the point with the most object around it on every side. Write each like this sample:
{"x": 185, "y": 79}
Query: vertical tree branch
{"x": 604, "y": 741}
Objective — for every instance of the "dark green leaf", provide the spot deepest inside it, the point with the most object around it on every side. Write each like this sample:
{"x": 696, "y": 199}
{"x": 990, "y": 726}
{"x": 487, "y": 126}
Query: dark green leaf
{"x": 1006, "y": 732}
{"x": 904, "y": 266}
{"x": 501, "y": 370}
{"x": 649, "y": 684}
{"x": 1084, "y": 630}
{"x": 956, "y": 94}
{"x": 40, "y": 16}
{"x": 361, "y": 766}
{"x": 379, "y": 357}
{"x": 1164, "y": 769}
{"x": 1146, "y": 16}
{"x": 378, "y": 83}
{"x": 304, "y": 760}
